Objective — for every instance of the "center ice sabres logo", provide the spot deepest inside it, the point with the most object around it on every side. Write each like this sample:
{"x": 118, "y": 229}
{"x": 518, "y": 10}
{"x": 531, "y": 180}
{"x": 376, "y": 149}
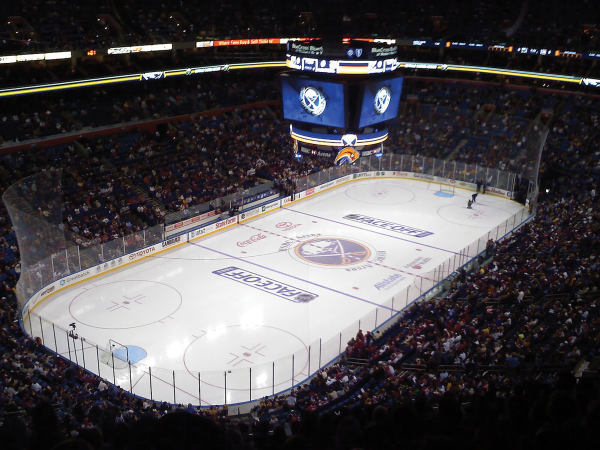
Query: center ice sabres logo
{"x": 335, "y": 252}
{"x": 312, "y": 100}
{"x": 382, "y": 100}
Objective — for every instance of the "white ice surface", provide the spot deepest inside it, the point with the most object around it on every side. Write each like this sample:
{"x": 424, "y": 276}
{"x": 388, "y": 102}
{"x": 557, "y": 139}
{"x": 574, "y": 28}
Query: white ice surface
{"x": 190, "y": 320}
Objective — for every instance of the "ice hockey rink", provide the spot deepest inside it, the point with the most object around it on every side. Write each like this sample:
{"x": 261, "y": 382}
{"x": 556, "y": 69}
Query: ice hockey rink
{"x": 254, "y": 309}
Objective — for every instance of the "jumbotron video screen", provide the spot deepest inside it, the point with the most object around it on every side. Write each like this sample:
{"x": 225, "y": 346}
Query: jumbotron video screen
{"x": 314, "y": 101}
{"x": 380, "y": 101}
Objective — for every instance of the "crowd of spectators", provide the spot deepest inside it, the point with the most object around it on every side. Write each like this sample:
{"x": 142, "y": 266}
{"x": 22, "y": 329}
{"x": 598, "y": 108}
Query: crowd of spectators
{"x": 207, "y": 157}
{"x": 435, "y": 131}
{"x": 486, "y": 125}
{"x": 45, "y": 119}
{"x": 35, "y": 117}
{"x": 251, "y": 145}
{"x": 489, "y": 364}
{"x": 42, "y": 26}
{"x": 97, "y": 204}
{"x": 133, "y": 180}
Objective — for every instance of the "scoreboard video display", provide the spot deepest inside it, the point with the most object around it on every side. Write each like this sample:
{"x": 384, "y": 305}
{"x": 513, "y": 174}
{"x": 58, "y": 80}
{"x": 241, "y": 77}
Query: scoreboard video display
{"x": 380, "y": 101}
{"x": 313, "y": 101}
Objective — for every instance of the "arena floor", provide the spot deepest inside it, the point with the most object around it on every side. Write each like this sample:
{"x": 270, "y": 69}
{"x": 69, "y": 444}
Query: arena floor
{"x": 211, "y": 316}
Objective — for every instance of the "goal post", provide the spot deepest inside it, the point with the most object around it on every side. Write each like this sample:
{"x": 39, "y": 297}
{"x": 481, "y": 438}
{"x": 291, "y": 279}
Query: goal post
{"x": 440, "y": 186}
{"x": 447, "y": 188}
{"x": 115, "y": 355}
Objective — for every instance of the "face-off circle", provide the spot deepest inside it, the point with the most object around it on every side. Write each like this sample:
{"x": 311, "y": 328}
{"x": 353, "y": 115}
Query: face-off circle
{"x": 125, "y": 304}
{"x": 238, "y": 347}
{"x": 382, "y": 193}
{"x": 480, "y": 216}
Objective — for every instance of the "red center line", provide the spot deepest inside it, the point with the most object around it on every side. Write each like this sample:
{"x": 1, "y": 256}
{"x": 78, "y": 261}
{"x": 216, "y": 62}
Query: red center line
{"x": 350, "y": 256}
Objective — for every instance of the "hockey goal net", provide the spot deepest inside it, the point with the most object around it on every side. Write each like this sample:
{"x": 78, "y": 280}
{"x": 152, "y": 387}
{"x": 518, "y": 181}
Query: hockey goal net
{"x": 115, "y": 355}
{"x": 447, "y": 188}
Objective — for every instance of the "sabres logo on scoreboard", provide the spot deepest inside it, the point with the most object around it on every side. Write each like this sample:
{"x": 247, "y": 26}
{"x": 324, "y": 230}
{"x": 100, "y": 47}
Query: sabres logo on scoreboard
{"x": 382, "y": 100}
{"x": 312, "y": 100}
{"x": 152, "y": 76}
{"x": 349, "y": 140}
{"x": 347, "y": 155}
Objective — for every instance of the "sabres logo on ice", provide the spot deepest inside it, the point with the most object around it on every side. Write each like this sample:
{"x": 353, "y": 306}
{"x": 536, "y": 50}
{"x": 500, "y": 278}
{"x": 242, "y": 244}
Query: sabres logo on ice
{"x": 333, "y": 252}
{"x": 346, "y": 155}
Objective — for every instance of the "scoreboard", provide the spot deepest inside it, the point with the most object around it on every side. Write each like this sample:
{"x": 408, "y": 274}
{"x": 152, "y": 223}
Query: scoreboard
{"x": 352, "y": 57}
{"x": 340, "y": 96}
{"x": 380, "y": 101}
{"x": 340, "y": 104}
{"x": 313, "y": 101}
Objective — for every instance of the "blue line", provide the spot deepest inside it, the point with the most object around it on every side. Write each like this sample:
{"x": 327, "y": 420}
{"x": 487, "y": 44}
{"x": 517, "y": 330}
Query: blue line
{"x": 370, "y": 231}
{"x": 292, "y": 276}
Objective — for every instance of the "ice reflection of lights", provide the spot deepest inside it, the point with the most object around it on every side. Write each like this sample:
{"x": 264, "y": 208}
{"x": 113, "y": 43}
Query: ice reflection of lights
{"x": 253, "y": 319}
{"x": 150, "y": 361}
{"x": 170, "y": 274}
{"x": 139, "y": 370}
{"x": 176, "y": 349}
{"x": 216, "y": 332}
{"x": 261, "y": 380}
